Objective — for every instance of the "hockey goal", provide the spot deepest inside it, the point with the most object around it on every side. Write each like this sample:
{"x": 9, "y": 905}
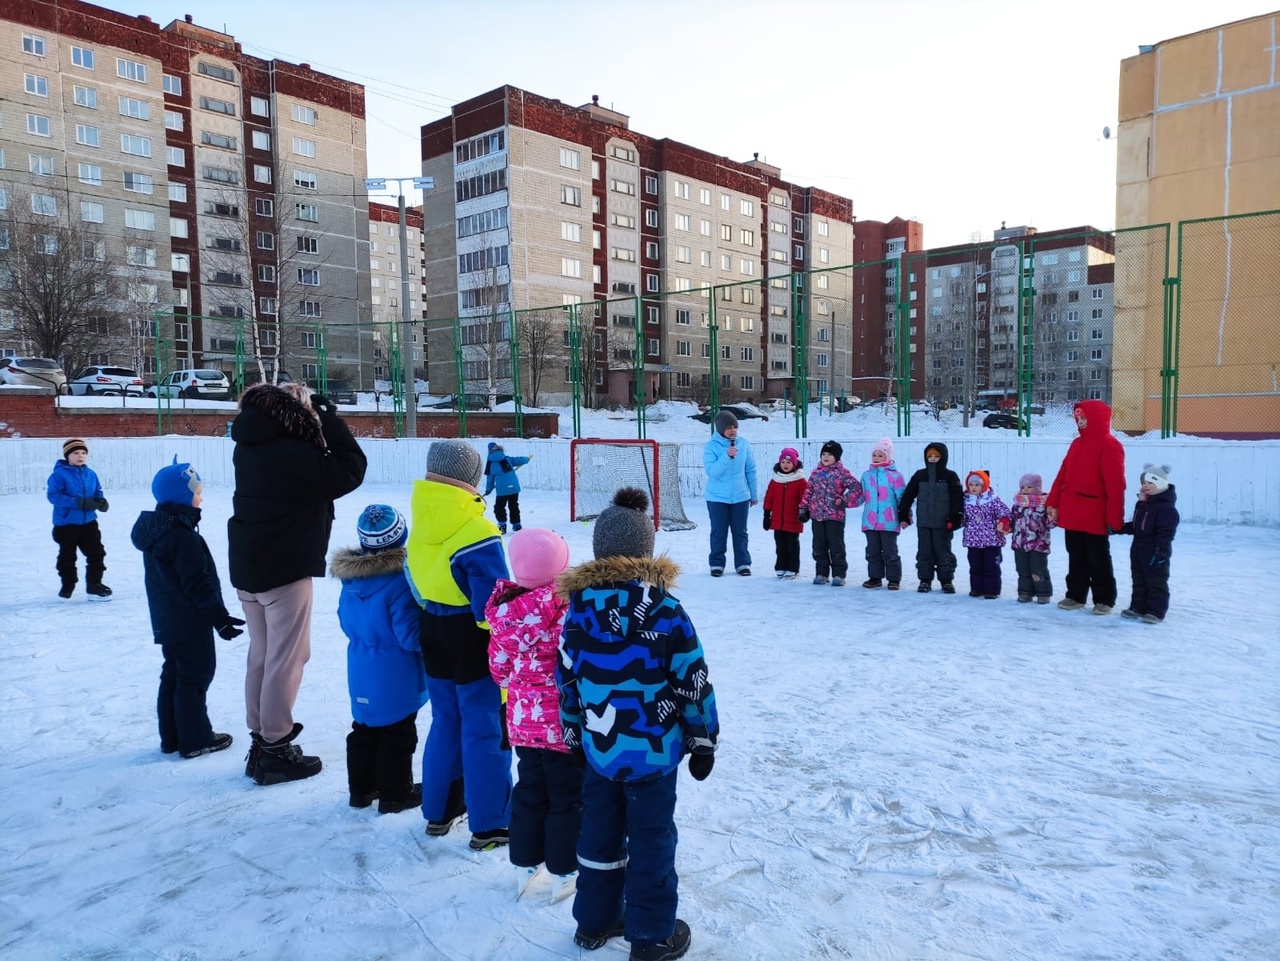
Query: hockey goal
{"x": 599, "y": 467}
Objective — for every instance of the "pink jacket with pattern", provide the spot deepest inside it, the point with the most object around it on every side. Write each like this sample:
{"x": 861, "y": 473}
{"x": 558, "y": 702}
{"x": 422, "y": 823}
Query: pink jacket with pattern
{"x": 830, "y": 491}
{"x": 1031, "y": 524}
{"x": 524, "y": 644}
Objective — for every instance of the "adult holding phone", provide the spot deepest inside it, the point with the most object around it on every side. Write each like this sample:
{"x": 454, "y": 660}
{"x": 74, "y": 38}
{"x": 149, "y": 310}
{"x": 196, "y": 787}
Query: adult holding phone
{"x": 730, "y": 493}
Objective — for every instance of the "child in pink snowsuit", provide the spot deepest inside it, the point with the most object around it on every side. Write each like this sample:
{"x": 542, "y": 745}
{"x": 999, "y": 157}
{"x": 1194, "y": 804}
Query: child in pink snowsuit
{"x": 525, "y": 619}
{"x": 1031, "y": 526}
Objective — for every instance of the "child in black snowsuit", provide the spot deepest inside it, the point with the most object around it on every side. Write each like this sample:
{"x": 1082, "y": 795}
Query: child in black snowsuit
{"x": 939, "y": 513}
{"x": 1154, "y": 524}
{"x": 76, "y": 496}
{"x": 184, "y": 596}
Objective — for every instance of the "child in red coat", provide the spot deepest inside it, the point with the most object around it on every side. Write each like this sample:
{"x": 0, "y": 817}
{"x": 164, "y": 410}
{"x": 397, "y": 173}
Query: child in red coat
{"x": 782, "y": 512}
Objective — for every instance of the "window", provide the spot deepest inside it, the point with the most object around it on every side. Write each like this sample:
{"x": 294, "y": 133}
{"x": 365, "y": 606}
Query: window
{"x": 82, "y": 57}
{"x": 172, "y": 85}
{"x": 682, "y": 222}
{"x": 264, "y": 207}
{"x": 309, "y": 308}
{"x": 624, "y": 220}
{"x": 726, "y": 234}
{"x": 571, "y": 196}
{"x": 748, "y": 382}
{"x": 266, "y": 240}
{"x": 140, "y": 256}
{"x": 303, "y": 114}
{"x": 624, "y": 153}
{"x": 178, "y": 227}
{"x": 1097, "y": 293}
{"x": 262, "y": 173}
{"x": 175, "y": 156}
{"x": 40, "y": 164}
{"x": 748, "y": 238}
{"x": 177, "y": 192}
{"x": 308, "y": 212}
{"x": 217, "y": 106}
{"x": 726, "y": 202}
{"x": 139, "y": 219}
{"x": 622, "y": 253}
{"x": 747, "y": 353}
{"x": 571, "y": 232}
{"x": 138, "y": 183}
{"x": 91, "y": 213}
{"x": 824, "y": 229}
{"x": 33, "y": 45}
{"x": 218, "y": 140}
{"x": 1095, "y": 313}
{"x": 1073, "y": 335}
{"x": 216, "y": 71}
{"x": 36, "y": 85}
{"x": 747, "y": 208}
{"x": 1095, "y": 334}
{"x": 684, "y": 255}
{"x": 748, "y": 295}
{"x": 259, "y": 107}
{"x": 1073, "y": 315}
{"x": 797, "y": 226}
{"x": 570, "y": 267}
{"x": 650, "y": 184}
{"x": 131, "y": 70}
{"x": 747, "y": 267}
{"x": 138, "y": 146}
{"x": 309, "y": 276}
{"x": 824, "y": 255}
{"x": 303, "y": 147}
{"x": 480, "y": 146}
{"x": 651, "y": 283}
{"x": 173, "y": 120}
{"x": 39, "y": 126}
{"x": 267, "y": 305}
{"x": 570, "y": 159}
{"x": 651, "y": 217}
{"x": 623, "y": 187}
{"x": 44, "y": 205}
{"x": 137, "y": 109}
{"x": 91, "y": 174}
{"x": 306, "y": 180}
{"x": 308, "y": 245}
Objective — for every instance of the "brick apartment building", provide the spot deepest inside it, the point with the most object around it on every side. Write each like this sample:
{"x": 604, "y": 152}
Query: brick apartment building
{"x": 224, "y": 189}
{"x": 387, "y": 284}
{"x": 543, "y": 205}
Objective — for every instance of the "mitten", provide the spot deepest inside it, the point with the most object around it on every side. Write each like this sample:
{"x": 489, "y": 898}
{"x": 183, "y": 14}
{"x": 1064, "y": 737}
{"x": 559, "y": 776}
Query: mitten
{"x": 950, "y": 526}
{"x": 229, "y": 628}
{"x": 322, "y": 404}
{"x": 768, "y": 519}
{"x": 87, "y": 504}
{"x": 1160, "y": 557}
{"x": 1003, "y": 525}
{"x": 1128, "y": 528}
{"x": 102, "y": 504}
{"x": 573, "y": 741}
{"x": 804, "y": 515}
{"x": 700, "y": 765}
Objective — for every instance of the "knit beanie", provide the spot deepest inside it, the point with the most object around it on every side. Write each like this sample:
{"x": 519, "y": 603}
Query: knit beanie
{"x": 1157, "y": 475}
{"x": 1034, "y": 481}
{"x": 885, "y": 446}
{"x": 982, "y": 476}
{"x": 176, "y": 484}
{"x": 537, "y": 555}
{"x": 791, "y": 454}
{"x": 832, "y": 448}
{"x": 454, "y": 460}
{"x": 625, "y": 528}
{"x": 71, "y": 446}
{"x": 381, "y": 527}
{"x": 724, "y": 420}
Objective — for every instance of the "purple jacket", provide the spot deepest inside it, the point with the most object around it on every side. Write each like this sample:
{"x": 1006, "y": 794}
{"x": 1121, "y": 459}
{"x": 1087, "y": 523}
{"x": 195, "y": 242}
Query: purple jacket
{"x": 981, "y": 513}
{"x": 830, "y": 491}
{"x": 1031, "y": 525}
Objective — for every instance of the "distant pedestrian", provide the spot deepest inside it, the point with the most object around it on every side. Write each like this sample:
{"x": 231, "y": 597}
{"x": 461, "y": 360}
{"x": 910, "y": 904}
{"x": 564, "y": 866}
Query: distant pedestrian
{"x": 500, "y": 475}
{"x": 731, "y": 492}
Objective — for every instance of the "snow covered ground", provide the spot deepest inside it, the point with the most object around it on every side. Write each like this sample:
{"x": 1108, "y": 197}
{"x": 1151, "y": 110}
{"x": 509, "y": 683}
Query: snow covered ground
{"x": 901, "y": 776}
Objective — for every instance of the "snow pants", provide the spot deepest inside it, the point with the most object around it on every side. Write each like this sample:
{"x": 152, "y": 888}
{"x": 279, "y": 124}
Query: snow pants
{"x": 381, "y": 758}
{"x": 86, "y": 538}
{"x": 1033, "y": 573}
{"x": 546, "y": 809}
{"x": 828, "y": 549}
{"x": 1150, "y": 581}
{"x": 185, "y": 677}
{"x": 933, "y": 553}
{"x": 883, "y": 560}
{"x": 1089, "y": 568}
{"x": 787, "y": 548}
{"x": 984, "y": 570}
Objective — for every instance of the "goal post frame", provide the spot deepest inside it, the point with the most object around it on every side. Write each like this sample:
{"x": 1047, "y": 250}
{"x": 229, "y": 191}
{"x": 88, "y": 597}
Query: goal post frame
{"x": 655, "y": 471}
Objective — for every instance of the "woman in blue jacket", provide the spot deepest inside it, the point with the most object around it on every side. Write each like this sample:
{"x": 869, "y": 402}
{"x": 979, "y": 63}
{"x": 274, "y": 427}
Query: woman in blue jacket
{"x": 730, "y": 493}
{"x": 500, "y": 475}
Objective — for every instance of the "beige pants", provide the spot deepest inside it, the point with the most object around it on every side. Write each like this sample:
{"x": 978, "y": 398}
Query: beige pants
{"x": 279, "y": 622}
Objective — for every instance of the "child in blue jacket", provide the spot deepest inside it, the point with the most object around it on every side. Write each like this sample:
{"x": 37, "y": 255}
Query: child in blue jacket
{"x": 385, "y": 675}
{"x": 500, "y": 475}
{"x": 76, "y": 496}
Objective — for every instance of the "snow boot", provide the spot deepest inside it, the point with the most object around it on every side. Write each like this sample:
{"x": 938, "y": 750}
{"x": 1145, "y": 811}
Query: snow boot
{"x": 515, "y": 527}
{"x": 563, "y": 886}
{"x": 893, "y": 585}
{"x": 283, "y": 761}
{"x": 98, "y": 592}
{"x": 220, "y": 742}
{"x": 455, "y": 809}
{"x": 1043, "y": 599}
{"x": 68, "y": 588}
{"x": 948, "y": 587}
{"x": 1130, "y": 615}
{"x": 1151, "y": 619}
{"x": 1024, "y": 598}
{"x": 1070, "y": 604}
{"x": 668, "y": 950}
{"x": 523, "y": 877}
{"x": 502, "y": 527}
{"x": 925, "y": 587}
{"x": 411, "y": 798}
{"x": 362, "y": 800}
{"x": 871, "y": 583}
{"x": 593, "y": 940}
{"x": 820, "y": 580}
{"x": 255, "y": 752}
{"x": 490, "y": 840}
{"x": 837, "y": 582}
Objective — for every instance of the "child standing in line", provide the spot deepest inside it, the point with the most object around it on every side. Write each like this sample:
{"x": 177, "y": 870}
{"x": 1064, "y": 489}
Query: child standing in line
{"x": 525, "y": 618}
{"x": 500, "y": 475}
{"x": 385, "y": 676}
{"x": 1154, "y": 524}
{"x": 782, "y": 511}
{"x": 830, "y": 490}
{"x": 882, "y": 486}
{"x": 635, "y": 693}
{"x": 76, "y": 496}
{"x": 935, "y": 492}
{"x": 184, "y": 597}
{"x": 986, "y": 522}
{"x": 1031, "y": 526}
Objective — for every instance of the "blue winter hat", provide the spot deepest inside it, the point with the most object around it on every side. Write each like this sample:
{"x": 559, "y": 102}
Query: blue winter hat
{"x": 381, "y": 527}
{"x": 176, "y": 484}
{"x": 494, "y": 446}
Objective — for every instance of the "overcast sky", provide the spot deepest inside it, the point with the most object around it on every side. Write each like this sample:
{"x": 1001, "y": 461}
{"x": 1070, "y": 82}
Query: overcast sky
{"x": 960, "y": 113}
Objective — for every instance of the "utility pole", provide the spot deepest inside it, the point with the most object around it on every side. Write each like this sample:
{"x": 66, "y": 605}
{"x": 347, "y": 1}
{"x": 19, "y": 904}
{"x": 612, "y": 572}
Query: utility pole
{"x": 406, "y": 320}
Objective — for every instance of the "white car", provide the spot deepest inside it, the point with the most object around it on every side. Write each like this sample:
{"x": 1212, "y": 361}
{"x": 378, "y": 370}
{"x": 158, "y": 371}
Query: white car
{"x": 107, "y": 380}
{"x": 33, "y": 372}
{"x": 200, "y": 384}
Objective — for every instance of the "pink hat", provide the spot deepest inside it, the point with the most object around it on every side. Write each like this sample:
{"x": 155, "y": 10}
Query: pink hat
{"x": 791, "y": 454}
{"x": 1034, "y": 481}
{"x": 884, "y": 444}
{"x": 537, "y": 555}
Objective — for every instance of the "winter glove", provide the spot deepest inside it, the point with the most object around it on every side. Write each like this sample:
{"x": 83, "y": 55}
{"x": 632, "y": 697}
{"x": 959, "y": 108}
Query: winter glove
{"x": 1003, "y": 525}
{"x": 700, "y": 765}
{"x": 768, "y": 519}
{"x": 906, "y": 518}
{"x": 322, "y": 404}
{"x": 87, "y": 503}
{"x": 804, "y": 515}
{"x": 1160, "y": 558}
{"x": 102, "y": 504}
{"x": 1128, "y": 528}
{"x": 229, "y": 628}
{"x": 573, "y": 741}
{"x": 950, "y": 526}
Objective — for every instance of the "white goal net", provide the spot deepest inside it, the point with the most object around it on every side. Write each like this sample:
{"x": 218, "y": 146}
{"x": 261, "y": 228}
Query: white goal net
{"x": 600, "y": 467}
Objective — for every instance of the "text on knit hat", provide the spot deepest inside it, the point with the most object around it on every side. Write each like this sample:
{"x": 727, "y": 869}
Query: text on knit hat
{"x": 381, "y": 527}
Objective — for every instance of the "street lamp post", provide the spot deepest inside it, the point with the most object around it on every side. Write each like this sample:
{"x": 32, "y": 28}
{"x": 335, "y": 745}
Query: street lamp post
{"x": 406, "y": 321}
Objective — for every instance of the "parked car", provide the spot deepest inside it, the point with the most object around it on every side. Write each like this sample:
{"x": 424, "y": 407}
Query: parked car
{"x": 737, "y": 410}
{"x": 1010, "y": 421}
{"x": 201, "y": 384}
{"x": 339, "y": 391}
{"x": 469, "y": 402}
{"x": 33, "y": 372}
{"x": 107, "y": 380}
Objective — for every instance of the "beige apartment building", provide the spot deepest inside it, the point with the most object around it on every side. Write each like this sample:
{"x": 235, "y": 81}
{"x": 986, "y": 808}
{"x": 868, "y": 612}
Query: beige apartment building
{"x": 221, "y": 188}
{"x": 1199, "y": 137}
{"x": 387, "y": 285}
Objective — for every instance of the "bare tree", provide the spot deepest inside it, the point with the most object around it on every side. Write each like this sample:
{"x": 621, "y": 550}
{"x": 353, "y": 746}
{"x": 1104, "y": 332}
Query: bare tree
{"x": 56, "y": 278}
{"x": 486, "y": 335}
{"x": 537, "y": 333}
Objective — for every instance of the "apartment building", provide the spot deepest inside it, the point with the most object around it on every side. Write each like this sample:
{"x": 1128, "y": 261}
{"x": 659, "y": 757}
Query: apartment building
{"x": 967, "y": 329}
{"x": 387, "y": 285}
{"x": 219, "y": 188}
{"x": 562, "y": 212}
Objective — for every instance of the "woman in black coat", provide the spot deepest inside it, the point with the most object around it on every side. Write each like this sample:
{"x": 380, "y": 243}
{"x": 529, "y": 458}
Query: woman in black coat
{"x": 294, "y": 456}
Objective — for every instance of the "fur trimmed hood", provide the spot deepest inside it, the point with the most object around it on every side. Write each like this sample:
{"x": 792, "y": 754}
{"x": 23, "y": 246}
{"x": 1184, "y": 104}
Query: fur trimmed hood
{"x": 660, "y": 571}
{"x": 352, "y": 564}
{"x": 268, "y": 412}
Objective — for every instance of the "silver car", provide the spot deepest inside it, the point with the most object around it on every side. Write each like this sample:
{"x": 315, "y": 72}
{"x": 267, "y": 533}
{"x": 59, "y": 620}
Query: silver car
{"x": 33, "y": 372}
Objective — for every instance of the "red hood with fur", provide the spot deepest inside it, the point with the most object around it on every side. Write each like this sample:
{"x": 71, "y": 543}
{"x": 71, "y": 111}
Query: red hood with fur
{"x": 1088, "y": 492}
